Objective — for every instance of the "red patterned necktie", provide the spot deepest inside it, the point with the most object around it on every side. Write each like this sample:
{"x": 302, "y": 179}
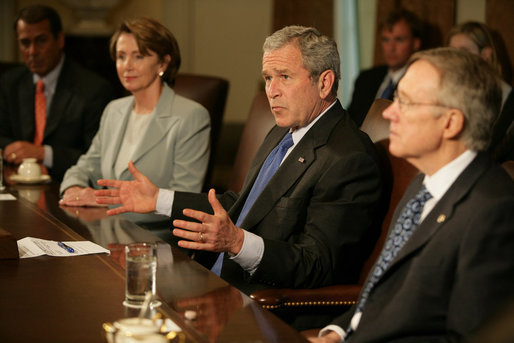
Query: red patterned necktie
{"x": 40, "y": 112}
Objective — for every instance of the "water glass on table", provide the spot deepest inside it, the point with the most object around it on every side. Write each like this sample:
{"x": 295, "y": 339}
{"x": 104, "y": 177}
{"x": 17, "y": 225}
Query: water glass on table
{"x": 141, "y": 270}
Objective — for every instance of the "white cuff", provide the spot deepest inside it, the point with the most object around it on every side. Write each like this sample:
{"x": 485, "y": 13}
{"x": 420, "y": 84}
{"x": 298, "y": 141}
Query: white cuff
{"x": 49, "y": 156}
{"x": 164, "y": 202}
{"x": 251, "y": 252}
{"x": 334, "y": 328}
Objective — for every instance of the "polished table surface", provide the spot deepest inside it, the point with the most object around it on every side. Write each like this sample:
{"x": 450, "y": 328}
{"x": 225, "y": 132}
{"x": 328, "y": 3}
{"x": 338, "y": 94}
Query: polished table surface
{"x": 67, "y": 299}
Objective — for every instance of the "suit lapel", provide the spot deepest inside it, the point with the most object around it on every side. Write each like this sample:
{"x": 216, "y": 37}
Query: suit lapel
{"x": 157, "y": 127}
{"x": 26, "y": 101}
{"x": 121, "y": 116}
{"x": 60, "y": 100}
{"x": 444, "y": 209}
{"x": 293, "y": 167}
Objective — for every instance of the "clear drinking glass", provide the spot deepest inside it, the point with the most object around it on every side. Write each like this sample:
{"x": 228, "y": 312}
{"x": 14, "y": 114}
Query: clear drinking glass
{"x": 141, "y": 269}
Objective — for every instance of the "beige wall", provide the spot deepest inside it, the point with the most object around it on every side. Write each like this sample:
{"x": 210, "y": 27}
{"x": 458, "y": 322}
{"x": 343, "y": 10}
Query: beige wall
{"x": 219, "y": 37}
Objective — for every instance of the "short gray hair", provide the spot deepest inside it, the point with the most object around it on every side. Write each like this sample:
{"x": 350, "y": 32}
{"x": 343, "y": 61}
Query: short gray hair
{"x": 470, "y": 84}
{"x": 319, "y": 52}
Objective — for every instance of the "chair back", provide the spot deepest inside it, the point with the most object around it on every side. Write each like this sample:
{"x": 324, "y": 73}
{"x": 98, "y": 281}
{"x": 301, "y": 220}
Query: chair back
{"x": 259, "y": 122}
{"x": 509, "y": 168}
{"x": 401, "y": 175}
{"x": 211, "y": 92}
{"x": 374, "y": 124}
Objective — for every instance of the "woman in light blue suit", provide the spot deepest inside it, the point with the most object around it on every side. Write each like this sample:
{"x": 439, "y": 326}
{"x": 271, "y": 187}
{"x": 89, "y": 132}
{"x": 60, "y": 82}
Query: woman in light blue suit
{"x": 164, "y": 134}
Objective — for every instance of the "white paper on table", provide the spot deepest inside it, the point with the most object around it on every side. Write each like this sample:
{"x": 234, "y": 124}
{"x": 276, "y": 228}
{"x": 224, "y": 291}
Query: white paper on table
{"x": 7, "y": 196}
{"x": 33, "y": 247}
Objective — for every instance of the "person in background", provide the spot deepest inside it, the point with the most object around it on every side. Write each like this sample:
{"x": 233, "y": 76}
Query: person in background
{"x": 50, "y": 108}
{"x": 400, "y": 36}
{"x": 310, "y": 208}
{"x": 476, "y": 38}
{"x": 163, "y": 133}
{"x": 448, "y": 261}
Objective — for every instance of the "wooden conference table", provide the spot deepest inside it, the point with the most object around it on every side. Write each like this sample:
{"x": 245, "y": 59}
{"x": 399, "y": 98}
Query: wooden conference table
{"x": 67, "y": 299}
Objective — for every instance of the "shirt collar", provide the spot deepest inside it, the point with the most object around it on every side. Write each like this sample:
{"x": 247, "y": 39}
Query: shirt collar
{"x": 50, "y": 79}
{"x": 397, "y": 74}
{"x": 299, "y": 133}
{"x": 440, "y": 182}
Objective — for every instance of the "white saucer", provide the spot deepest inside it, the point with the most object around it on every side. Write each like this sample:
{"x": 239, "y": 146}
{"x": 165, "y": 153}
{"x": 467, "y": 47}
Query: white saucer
{"x": 23, "y": 179}
{"x": 153, "y": 304}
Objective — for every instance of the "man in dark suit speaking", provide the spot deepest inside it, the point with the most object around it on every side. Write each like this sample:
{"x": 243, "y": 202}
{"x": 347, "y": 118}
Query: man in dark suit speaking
{"x": 50, "y": 108}
{"x": 448, "y": 262}
{"x": 314, "y": 220}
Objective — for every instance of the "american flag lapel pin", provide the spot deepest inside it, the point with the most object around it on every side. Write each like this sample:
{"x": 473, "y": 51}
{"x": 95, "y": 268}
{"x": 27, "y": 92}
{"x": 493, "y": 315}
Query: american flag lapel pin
{"x": 301, "y": 160}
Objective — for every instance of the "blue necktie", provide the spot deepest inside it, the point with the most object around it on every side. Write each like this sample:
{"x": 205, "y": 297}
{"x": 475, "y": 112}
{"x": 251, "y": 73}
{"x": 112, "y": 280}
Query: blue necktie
{"x": 268, "y": 169}
{"x": 389, "y": 90}
{"x": 407, "y": 222}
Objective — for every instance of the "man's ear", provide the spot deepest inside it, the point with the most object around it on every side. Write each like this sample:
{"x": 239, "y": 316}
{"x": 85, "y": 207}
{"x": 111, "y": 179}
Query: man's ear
{"x": 325, "y": 83}
{"x": 454, "y": 124}
{"x": 60, "y": 39}
{"x": 486, "y": 53}
{"x": 417, "y": 44}
{"x": 166, "y": 61}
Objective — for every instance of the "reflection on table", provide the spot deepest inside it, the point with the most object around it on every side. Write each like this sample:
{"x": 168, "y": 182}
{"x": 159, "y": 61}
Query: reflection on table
{"x": 48, "y": 299}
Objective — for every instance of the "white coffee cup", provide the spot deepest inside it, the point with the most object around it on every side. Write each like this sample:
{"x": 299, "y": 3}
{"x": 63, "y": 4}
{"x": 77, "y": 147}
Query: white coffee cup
{"x": 29, "y": 168}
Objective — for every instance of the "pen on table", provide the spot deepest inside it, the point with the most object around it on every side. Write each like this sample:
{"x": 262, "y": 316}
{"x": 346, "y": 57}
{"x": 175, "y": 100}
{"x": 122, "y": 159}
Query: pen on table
{"x": 66, "y": 247}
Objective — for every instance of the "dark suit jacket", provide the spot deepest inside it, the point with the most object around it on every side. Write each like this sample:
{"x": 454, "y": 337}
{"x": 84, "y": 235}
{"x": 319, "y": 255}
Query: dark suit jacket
{"x": 364, "y": 92}
{"x": 73, "y": 118}
{"x": 456, "y": 269}
{"x": 319, "y": 214}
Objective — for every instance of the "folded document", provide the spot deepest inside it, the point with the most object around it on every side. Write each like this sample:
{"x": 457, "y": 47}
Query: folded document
{"x": 33, "y": 247}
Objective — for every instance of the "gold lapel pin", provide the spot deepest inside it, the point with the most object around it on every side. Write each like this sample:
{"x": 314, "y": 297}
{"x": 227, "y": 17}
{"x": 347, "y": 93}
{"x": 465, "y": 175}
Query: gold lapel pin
{"x": 441, "y": 218}
{"x": 301, "y": 160}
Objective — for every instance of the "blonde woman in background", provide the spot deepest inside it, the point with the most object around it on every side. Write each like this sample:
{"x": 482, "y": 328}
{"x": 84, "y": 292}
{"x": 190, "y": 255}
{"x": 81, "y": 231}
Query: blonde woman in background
{"x": 476, "y": 38}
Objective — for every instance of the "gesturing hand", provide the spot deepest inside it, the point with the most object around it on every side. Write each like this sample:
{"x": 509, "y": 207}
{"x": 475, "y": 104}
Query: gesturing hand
{"x": 214, "y": 232}
{"x": 138, "y": 196}
{"x": 79, "y": 196}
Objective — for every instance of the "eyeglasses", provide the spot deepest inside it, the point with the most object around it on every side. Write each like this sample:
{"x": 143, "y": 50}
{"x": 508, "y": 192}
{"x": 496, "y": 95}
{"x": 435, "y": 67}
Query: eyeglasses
{"x": 403, "y": 105}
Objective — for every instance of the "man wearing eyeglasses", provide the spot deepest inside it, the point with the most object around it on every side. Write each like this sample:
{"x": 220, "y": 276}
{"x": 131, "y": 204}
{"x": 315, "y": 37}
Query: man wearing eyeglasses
{"x": 448, "y": 262}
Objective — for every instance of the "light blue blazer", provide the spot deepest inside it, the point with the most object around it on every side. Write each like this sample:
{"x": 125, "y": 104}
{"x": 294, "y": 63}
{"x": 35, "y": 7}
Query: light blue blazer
{"x": 173, "y": 152}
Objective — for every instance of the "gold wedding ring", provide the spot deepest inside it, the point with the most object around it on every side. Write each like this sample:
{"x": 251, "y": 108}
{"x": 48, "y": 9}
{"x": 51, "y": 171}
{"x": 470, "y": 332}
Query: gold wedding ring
{"x": 13, "y": 156}
{"x": 201, "y": 236}
{"x": 76, "y": 198}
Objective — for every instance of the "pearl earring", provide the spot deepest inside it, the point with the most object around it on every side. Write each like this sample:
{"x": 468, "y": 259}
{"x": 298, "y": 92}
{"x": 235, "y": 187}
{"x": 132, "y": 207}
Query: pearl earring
{"x": 161, "y": 73}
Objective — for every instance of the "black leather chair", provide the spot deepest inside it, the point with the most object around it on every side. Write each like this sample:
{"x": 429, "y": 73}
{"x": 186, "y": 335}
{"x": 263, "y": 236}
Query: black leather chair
{"x": 211, "y": 92}
{"x": 260, "y": 121}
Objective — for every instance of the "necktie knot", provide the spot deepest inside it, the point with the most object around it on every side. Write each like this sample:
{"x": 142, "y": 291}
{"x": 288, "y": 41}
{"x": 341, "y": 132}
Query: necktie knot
{"x": 40, "y": 86}
{"x": 389, "y": 90}
{"x": 423, "y": 195}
